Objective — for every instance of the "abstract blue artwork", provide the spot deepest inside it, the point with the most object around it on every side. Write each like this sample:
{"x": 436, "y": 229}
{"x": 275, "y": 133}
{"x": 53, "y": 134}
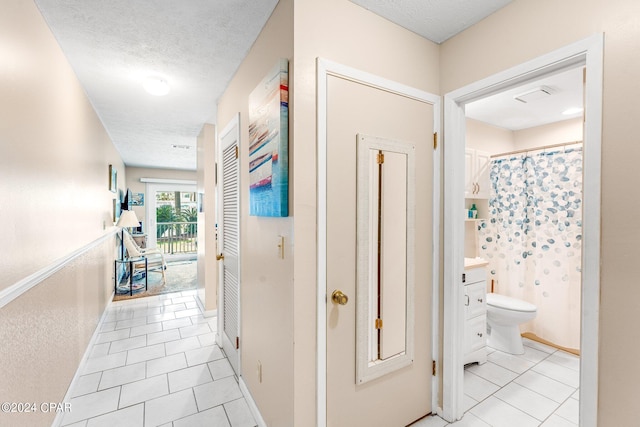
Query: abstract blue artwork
{"x": 269, "y": 144}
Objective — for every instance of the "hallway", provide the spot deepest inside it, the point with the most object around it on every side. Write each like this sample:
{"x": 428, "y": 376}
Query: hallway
{"x": 155, "y": 363}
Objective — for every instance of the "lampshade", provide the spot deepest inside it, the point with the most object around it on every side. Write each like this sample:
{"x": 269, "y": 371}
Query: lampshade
{"x": 128, "y": 219}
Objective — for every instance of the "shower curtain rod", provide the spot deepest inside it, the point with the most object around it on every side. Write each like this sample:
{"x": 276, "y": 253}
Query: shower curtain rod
{"x": 545, "y": 147}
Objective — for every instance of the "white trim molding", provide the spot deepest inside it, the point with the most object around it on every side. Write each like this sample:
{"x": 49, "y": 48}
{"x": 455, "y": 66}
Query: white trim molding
{"x": 168, "y": 181}
{"x": 367, "y": 338}
{"x": 324, "y": 69}
{"x": 206, "y": 313}
{"x": 85, "y": 357}
{"x": 14, "y": 291}
{"x": 257, "y": 416}
{"x": 586, "y": 53}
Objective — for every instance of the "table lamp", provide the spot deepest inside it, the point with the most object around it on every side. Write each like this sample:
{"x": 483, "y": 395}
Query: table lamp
{"x": 128, "y": 219}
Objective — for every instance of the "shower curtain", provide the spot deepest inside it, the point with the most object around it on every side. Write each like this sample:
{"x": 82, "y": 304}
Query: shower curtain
{"x": 533, "y": 238}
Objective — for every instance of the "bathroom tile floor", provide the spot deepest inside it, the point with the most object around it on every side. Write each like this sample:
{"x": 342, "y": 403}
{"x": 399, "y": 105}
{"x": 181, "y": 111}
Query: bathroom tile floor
{"x": 155, "y": 363}
{"x": 537, "y": 388}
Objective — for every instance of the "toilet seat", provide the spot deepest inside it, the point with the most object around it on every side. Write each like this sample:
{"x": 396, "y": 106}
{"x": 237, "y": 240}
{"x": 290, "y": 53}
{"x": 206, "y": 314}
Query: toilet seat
{"x": 507, "y": 303}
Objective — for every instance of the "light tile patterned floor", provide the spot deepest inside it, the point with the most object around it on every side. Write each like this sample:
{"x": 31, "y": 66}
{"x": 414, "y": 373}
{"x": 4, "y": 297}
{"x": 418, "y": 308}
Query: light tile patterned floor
{"x": 155, "y": 363}
{"x": 537, "y": 388}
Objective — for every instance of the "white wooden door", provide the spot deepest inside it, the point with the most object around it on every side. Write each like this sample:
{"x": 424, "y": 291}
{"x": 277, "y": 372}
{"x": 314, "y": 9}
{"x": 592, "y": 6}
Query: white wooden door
{"x": 229, "y": 242}
{"x": 482, "y": 170}
{"x": 469, "y": 177}
{"x": 401, "y": 394}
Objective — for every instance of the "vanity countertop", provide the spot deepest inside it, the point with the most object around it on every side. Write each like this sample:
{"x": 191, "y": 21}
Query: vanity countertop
{"x": 470, "y": 263}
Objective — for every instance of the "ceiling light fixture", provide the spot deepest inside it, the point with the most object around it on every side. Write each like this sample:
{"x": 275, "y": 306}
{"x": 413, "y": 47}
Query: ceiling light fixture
{"x": 574, "y": 110}
{"x": 156, "y": 86}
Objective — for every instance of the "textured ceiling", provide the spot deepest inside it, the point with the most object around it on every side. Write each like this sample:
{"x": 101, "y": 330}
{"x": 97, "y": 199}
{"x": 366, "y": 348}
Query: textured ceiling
{"x": 436, "y": 20}
{"x": 196, "y": 45}
{"x": 504, "y": 111}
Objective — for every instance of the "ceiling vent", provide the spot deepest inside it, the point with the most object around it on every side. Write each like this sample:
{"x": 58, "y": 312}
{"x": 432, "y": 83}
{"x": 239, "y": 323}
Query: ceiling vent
{"x": 535, "y": 94}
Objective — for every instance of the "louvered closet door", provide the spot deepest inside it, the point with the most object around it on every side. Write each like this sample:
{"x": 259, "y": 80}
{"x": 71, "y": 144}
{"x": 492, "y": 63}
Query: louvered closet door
{"x": 229, "y": 236}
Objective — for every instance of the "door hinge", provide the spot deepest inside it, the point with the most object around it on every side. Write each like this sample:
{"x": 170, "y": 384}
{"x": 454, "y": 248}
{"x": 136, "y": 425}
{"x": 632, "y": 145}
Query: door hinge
{"x": 237, "y": 343}
{"x": 435, "y": 140}
{"x": 380, "y": 158}
{"x": 378, "y": 323}
{"x": 464, "y": 278}
{"x": 237, "y": 152}
{"x": 433, "y": 368}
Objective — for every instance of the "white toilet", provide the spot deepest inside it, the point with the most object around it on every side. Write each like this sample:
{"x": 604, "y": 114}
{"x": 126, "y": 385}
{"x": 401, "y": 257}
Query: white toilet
{"x": 504, "y": 315}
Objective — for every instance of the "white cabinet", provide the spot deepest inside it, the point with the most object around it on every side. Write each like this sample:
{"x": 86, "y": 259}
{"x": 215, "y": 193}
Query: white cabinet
{"x": 475, "y": 311}
{"x": 476, "y": 165}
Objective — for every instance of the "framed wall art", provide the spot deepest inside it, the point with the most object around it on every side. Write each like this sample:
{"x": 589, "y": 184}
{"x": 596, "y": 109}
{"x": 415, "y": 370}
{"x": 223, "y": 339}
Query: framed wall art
{"x": 269, "y": 144}
{"x": 116, "y": 209}
{"x": 113, "y": 179}
{"x": 137, "y": 199}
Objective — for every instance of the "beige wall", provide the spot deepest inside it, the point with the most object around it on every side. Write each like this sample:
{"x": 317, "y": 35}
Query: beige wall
{"x": 133, "y": 182}
{"x": 277, "y": 314}
{"x": 45, "y": 332}
{"x": 54, "y": 152}
{"x": 485, "y": 137}
{"x": 54, "y": 156}
{"x": 554, "y": 133}
{"x": 54, "y": 159}
{"x": 496, "y": 140}
{"x": 526, "y": 29}
{"x": 340, "y": 31}
{"x": 207, "y": 271}
{"x": 266, "y": 280}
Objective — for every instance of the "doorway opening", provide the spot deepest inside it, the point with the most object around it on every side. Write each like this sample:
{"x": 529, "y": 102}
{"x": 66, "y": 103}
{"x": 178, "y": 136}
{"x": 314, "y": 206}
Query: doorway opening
{"x": 587, "y": 54}
{"x": 523, "y": 217}
{"x": 171, "y": 219}
{"x": 176, "y": 222}
{"x": 171, "y": 226}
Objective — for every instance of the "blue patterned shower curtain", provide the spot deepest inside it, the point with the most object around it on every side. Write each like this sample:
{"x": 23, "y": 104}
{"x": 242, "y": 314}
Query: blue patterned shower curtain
{"x": 533, "y": 238}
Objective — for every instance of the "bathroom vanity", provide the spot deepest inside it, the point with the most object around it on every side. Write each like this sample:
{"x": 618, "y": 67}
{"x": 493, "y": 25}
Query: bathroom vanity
{"x": 475, "y": 310}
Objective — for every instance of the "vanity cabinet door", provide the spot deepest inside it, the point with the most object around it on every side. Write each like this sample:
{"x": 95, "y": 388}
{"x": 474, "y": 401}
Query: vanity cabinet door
{"x": 475, "y": 299}
{"x": 475, "y": 336}
{"x": 475, "y": 310}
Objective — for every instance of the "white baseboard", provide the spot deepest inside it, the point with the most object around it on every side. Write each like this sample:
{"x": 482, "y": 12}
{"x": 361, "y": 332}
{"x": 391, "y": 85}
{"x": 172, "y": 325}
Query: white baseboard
{"x": 67, "y": 397}
{"x": 210, "y": 313}
{"x": 251, "y": 403}
{"x": 205, "y": 313}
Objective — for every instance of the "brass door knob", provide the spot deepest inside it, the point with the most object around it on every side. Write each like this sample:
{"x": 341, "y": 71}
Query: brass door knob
{"x": 339, "y": 298}
{"x": 219, "y": 257}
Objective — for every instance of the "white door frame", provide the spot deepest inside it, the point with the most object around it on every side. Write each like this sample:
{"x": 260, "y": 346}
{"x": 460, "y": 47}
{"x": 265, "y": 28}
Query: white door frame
{"x": 589, "y": 53}
{"x": 152, "y": 186}
{"x": 326, "y": 68}
{"x": 233, "y": 123}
